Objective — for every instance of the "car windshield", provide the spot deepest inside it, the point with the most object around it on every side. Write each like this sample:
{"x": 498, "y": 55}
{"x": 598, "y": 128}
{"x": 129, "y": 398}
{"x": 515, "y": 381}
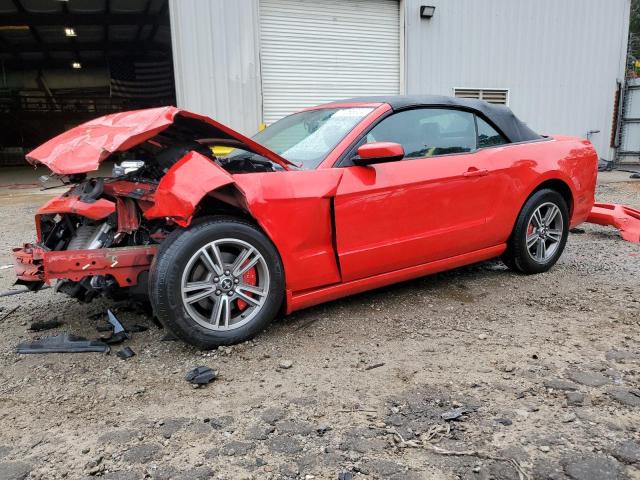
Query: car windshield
{"x": 306, "y": 138}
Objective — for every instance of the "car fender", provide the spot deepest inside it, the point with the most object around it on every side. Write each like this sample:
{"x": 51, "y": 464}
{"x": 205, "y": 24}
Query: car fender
{"x": 293, "y": 208}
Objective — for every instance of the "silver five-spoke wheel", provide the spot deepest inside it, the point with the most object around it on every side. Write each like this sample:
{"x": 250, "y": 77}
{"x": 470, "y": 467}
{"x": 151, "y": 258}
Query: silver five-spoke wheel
{"x": 225, "y": 284}
{"x": 544, "y": 232}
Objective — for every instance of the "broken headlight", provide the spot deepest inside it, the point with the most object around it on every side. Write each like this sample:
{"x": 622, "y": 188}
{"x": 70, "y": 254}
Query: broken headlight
{"x": 127, "y": 166}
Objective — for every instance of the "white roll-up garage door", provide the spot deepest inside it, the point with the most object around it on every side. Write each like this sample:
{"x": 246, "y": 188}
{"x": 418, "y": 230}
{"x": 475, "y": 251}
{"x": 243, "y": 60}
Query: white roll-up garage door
{"x": 317, "y": 51}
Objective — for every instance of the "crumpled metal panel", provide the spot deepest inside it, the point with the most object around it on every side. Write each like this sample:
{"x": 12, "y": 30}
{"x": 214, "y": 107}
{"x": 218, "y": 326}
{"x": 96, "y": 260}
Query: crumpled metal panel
{"x": 84, "y": 147}
{"x": 182, "y": 188}
{"x": 66, "y": 203}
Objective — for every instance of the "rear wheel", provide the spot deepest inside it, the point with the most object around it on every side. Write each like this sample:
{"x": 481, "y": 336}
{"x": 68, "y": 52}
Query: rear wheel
{"x": 217, "y": 283}
{"x": 540, "y": 233}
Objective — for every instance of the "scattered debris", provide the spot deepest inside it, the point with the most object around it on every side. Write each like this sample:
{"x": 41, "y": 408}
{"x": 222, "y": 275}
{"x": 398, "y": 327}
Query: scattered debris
{"x": 578, "y": 231}
{"x": 9, "y": 293}
{"x": 45, "y": 325}
{"x": 427, "y": 442}
{"x": 125, "y": 353}
{"x": 6, "y": 315}
{"x": 375, "y": 365}
{"x": 63, "y": 343}
{"x": 137, "y": 328}
{"x": 113, "y": 320}
{"x": 456, "y": 413}
{"x": 625, "y": 219}
{"x": 504, "y": 421}
{"x": 118, "y": 334}
{"x": 200, "y": 376}
{"x": 285, "y": 364}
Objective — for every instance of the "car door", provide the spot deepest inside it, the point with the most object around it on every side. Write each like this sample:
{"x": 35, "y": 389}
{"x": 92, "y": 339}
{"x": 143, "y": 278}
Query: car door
{"x": 429, "y": 206}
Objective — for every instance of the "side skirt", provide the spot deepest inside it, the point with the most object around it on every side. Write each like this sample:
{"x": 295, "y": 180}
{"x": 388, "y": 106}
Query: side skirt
{"x": 308, "y": 298}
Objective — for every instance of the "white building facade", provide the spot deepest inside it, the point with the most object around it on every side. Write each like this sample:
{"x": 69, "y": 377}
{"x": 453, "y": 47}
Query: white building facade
{"x": 556, "y": 64}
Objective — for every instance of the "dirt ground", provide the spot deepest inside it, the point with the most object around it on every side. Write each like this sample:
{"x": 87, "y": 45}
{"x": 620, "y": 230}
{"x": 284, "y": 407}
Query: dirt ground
{"x": 545, "y": 368}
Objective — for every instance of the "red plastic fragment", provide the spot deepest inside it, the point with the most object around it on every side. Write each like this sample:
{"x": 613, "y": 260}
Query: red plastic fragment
{"x": 625, "y": 219}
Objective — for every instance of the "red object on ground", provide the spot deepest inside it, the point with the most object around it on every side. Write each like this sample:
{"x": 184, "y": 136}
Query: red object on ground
{"x": 625, "y": 219}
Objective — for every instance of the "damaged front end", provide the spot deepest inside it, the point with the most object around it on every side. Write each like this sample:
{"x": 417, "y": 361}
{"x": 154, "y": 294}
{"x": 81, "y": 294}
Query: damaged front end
{"x": 100, "y": 237}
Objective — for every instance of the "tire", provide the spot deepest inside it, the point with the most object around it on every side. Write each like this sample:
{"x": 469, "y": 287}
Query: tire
{"x": 534, "y": 258}
{"x": 197, "y": 263}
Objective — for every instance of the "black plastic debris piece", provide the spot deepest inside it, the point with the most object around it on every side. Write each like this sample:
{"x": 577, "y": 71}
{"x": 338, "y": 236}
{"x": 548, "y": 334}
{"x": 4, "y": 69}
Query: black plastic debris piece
{"x": 6, "y": 315}
{"x": 200, "y": 376}
{"x": 577, "y": 230}
{"x": 118, "y": 335}
{"x": 125, "y": 353}
{"x": 63, "y": 343}
{"x": 137, "y": 328}
{"x": 113, "y": 320}
{"x": 115, "y": 338}
{"x": 456, "y": 413}
{"x": 46, "y": 325}
{"x": 504, "y": 421}
{"x": 375, "y": 365}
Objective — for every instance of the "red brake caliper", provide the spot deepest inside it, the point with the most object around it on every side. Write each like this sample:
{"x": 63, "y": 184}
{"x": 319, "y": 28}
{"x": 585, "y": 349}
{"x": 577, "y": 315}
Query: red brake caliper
{"x": 249, "y": 278}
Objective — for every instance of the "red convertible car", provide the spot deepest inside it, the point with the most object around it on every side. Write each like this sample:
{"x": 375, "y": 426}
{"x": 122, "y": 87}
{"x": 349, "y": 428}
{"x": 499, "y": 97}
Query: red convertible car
{"x": 331, "y": 201}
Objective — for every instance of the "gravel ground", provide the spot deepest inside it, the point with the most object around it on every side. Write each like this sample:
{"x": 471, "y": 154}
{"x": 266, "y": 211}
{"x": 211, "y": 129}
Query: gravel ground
{"x": 544, "y": 372}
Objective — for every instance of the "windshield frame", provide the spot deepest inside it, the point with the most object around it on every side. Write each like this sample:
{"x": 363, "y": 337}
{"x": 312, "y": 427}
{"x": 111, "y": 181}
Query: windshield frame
{"x": 342, "y": 141}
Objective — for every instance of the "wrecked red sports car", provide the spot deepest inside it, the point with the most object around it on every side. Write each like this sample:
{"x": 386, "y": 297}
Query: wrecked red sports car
{"x": 330, "y": 201}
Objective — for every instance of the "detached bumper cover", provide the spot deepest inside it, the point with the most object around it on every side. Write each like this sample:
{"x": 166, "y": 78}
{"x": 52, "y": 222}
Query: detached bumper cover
{"x": 625, "y": 219}
{"x": 36, "y": 264}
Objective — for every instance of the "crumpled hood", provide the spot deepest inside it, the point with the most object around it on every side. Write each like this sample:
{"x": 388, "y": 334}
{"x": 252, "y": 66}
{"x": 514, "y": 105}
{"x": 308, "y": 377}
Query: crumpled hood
{"x": 84, "y": 147}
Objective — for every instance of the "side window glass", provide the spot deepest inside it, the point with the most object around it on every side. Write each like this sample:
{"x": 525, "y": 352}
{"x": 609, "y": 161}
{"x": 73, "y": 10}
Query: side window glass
{"x": 487, "y": 135}
{"x": 427, "y": 132}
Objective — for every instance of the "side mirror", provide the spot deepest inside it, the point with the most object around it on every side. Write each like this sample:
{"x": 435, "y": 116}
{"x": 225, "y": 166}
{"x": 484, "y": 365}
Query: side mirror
{"x": 378, "y": 152}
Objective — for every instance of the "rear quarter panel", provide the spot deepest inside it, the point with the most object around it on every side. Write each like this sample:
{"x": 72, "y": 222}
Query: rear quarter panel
{"x": 520, "y": 169}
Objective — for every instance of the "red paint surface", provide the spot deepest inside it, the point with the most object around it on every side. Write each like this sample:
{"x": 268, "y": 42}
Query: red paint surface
{"x": 625, "y": 219}
{"x": 381, "y": 150}
{"x": 345, "y": 230}
{"x": 97, "y": 210}
{"x": 34, "y": 264}
{"x": 84, "y": 147}
{"x": 184, "y": 186}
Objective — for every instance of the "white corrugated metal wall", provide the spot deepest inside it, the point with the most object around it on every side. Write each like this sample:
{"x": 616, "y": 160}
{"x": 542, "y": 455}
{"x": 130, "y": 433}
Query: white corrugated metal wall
{"x": 559, "y": 59}
{"x": 216, "y": 60}
{"x": 317, "y": 51}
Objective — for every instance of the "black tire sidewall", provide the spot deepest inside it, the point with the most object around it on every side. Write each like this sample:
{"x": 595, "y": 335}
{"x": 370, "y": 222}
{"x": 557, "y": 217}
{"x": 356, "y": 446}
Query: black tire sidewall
{"x": 517, "y": 253}
{"x": 166, "y": 278}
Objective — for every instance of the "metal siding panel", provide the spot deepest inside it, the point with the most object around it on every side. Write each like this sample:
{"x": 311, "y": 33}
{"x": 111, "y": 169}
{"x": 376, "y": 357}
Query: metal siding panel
{"x": 323, "y": 50}
{"x": 216, "y": 60}
{"x": 559, "y": 60}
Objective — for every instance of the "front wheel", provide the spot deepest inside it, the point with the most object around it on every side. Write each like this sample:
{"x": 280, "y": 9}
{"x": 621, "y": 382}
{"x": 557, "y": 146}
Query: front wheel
{"x": 218, "y": 282}
{"x": 540, "y": 233}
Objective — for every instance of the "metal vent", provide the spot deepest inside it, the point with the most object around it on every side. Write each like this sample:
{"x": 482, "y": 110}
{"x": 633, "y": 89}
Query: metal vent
{"x": 498, "y": 96}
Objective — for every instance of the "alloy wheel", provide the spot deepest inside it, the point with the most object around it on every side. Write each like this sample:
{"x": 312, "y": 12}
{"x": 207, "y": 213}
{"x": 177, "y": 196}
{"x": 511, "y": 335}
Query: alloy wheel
{"x": 544, "y": 232}
{"x": 225, "y": 284}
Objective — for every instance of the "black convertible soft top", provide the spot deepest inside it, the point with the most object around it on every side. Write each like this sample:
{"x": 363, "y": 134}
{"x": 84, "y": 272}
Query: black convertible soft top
{"x": 499, "y": 115}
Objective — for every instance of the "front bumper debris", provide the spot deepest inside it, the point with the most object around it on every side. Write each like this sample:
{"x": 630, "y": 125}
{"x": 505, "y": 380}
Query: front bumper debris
{"x": 35, "y": 265}
{"x": 625, "y": 219}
